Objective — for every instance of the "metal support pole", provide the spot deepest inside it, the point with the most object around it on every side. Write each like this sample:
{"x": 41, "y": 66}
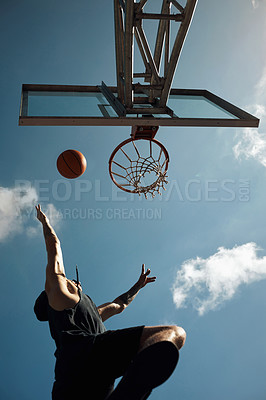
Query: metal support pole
{"x": 176, "y": 51}
{"x": 129, "y": 16}
{"x": 128, "y": 51}
{"x": 119, "y": 49}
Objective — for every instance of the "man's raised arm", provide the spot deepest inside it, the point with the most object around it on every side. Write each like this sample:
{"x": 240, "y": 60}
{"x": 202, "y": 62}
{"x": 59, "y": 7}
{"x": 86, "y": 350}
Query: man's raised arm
{"x": 55, "y": 264}
{"x": 107, "y": 310}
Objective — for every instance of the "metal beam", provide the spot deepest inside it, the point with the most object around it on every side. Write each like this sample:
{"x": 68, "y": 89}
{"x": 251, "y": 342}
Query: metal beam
{"x": 122, "y": 4}
{"x": 128, "y": 51}
{"x": 142, "y": 52}
{"x": 113, "y": 101}
{"x": 119, "y": 49}
{"x": 144, "y": 42}
{"x": 166, "y": 46}
{"x": 177, "y": 5}
{"x": 176, "y": 51}
{"x": 147, "y": 110}
{"x": 142, "y": 75}
{"x": 139, "y": 6}
{"x": 144, "y": 120}
{"x": 24, "y": 105}
{"x": 172, "y": 17}
{"x": 160, "y": 35}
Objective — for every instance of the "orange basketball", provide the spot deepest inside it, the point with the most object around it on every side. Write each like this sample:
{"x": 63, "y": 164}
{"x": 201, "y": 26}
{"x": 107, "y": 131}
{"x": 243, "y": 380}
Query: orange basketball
{"x": 71, "y": 164}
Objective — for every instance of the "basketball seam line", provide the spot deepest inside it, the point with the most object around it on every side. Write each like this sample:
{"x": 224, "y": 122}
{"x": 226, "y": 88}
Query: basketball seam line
{"x": 80, "y": 166}
{"x": 69, "y": 166}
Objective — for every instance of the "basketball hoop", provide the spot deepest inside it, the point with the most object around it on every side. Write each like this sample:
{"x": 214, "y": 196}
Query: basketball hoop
{"x": 136, "y": 173}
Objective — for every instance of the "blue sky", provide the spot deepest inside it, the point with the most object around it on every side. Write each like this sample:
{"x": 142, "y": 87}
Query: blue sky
{"x": 204, "y": 238}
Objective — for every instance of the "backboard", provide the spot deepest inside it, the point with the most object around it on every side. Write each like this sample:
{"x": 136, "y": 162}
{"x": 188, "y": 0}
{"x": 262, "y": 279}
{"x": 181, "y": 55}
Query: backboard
{"x": 68, "y": 105}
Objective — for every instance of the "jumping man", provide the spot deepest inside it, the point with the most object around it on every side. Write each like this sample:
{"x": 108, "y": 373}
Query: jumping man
{"x": 88, "y": 357}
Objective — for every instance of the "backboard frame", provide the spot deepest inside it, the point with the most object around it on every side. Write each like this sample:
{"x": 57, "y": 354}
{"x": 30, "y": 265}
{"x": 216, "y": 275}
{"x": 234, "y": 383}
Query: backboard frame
{"x": 242, "y": 118}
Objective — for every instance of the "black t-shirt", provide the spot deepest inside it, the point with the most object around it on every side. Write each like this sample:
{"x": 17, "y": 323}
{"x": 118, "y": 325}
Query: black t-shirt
{"x": 81, "y": 320}
{"x": 73, "y": 330}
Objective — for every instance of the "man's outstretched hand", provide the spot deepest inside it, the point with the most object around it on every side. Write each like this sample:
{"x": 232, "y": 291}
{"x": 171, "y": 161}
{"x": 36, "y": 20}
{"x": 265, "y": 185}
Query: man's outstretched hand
{"x": 40, "y": 215}
{"x": 125, "y": 299}
{"x": 144, "y": 279}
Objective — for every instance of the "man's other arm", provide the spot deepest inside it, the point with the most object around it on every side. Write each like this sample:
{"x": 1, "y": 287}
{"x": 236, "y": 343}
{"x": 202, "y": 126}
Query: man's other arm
{"x": 119, "y": 304}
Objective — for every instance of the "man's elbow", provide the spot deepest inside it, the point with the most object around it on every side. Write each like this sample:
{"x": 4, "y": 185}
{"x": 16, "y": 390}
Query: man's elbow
{"x": 120, "y": 307}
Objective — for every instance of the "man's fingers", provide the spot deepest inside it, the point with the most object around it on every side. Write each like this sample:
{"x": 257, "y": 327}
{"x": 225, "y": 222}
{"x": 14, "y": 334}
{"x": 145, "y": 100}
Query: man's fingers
{"x": 143, "y": 269}
{"x": 149, "y": 280}
{"x": 145, "y": 274}
{"x": 148, "y": 272}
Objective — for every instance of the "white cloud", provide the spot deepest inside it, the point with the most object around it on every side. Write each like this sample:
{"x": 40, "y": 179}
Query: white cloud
{"x": 16, "y": 212}
{"x": 251, "y": 143}
{"x": 261, "y": 85}
{"x": 53, "y": 215}
{"x": 13, "y": 204}
{"x": 256, "y": 3}
{"x": 208, "y": 283}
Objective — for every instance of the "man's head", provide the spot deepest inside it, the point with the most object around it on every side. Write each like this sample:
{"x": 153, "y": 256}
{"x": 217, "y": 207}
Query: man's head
{"x": 41, "y": 307}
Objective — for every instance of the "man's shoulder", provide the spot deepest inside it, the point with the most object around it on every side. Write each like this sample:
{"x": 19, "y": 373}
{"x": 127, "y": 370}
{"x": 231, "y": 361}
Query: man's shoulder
{"x": 62, "y": 294}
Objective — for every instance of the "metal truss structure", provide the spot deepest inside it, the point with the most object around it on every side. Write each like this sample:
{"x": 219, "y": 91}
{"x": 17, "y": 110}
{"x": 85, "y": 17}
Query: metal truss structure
{"x": 131, "y": 103}
{"x": 159, "y": 67}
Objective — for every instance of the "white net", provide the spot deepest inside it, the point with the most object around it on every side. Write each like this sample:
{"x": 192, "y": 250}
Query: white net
{"x": 140, "y": 166}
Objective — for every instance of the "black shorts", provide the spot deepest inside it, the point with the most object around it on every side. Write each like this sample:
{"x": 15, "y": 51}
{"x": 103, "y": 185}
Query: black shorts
{"x": 91, "y": 374}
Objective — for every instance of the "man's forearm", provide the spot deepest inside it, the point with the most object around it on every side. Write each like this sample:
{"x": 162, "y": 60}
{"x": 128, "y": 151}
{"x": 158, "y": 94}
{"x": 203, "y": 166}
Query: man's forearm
{"x": 48, "y": 231}
{"x": 107, "y": 310}
{"x": 55, "y": 263}
{"x": 128, "y": 296}
{"x": 50, "y": 237}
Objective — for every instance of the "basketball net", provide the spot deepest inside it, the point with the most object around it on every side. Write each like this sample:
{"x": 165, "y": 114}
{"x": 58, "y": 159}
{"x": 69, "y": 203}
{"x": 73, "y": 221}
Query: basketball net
{"x": 136, "y": 173}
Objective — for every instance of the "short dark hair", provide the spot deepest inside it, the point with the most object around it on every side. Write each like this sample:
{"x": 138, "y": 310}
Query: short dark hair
{"x": 41, "y": 307}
